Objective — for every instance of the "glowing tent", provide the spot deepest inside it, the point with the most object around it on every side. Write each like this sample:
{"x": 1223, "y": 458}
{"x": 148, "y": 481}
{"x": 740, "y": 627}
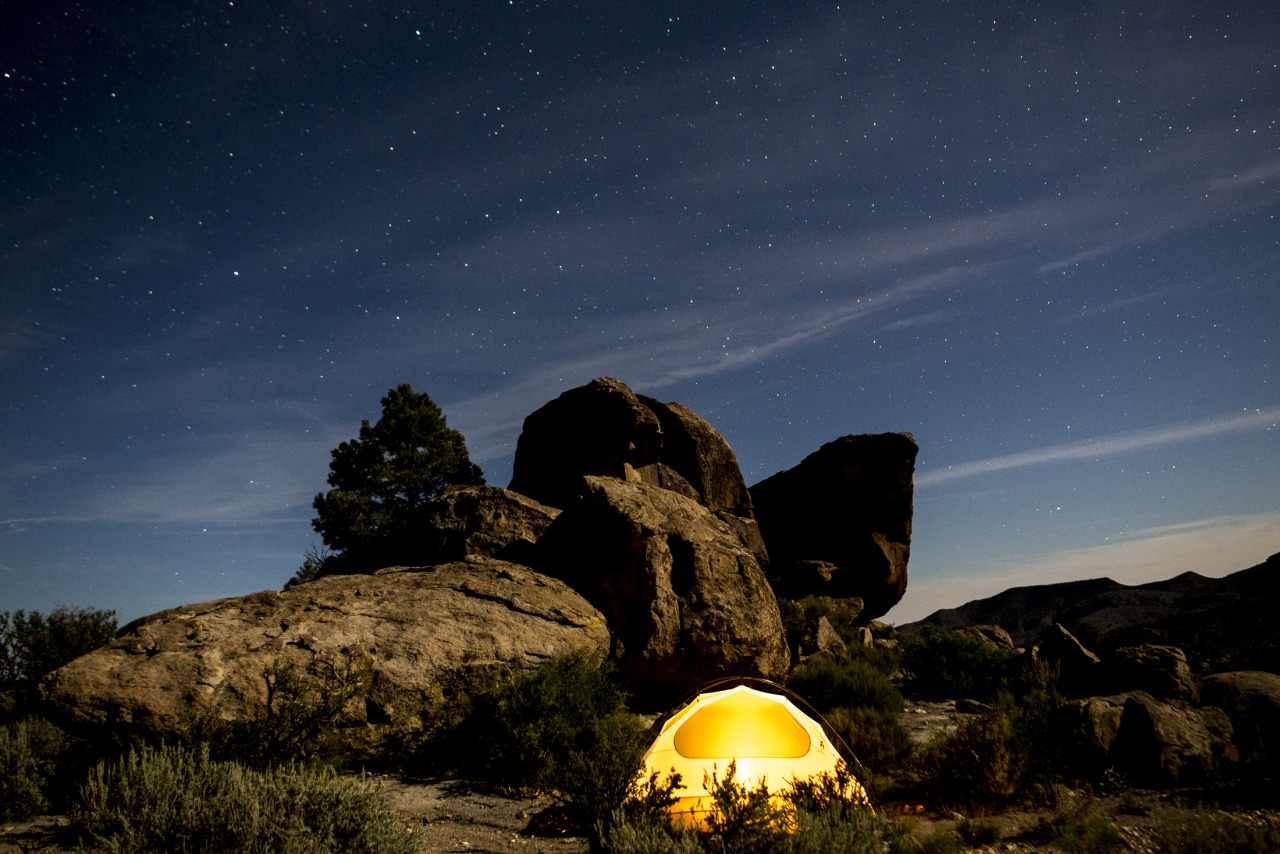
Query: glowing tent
{"x": 768, "y": 736}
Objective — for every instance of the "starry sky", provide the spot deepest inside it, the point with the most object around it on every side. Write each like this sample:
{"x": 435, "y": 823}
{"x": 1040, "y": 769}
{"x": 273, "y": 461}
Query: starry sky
{"x": 1041, "y": 237}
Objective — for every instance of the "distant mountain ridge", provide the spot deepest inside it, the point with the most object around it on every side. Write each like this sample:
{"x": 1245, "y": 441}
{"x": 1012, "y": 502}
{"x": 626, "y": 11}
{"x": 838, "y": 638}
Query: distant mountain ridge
{"x": 1228, "y": 623}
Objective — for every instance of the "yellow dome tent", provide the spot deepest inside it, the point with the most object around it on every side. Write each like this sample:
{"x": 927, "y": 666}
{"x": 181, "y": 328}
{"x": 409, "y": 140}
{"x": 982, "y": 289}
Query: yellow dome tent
{"x": 769, "y": 738}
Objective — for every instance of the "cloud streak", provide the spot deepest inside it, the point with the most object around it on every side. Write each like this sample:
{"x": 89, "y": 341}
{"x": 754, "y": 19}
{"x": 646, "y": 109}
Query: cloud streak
{"x": 1108, "y": 446}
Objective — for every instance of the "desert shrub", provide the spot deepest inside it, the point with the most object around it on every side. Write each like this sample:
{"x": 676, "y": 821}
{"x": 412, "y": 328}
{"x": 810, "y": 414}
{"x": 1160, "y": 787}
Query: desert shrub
{"x": 939, "y": 664}
{"x": 877, "y": 738}
{"x": 30, "y": 757}
{"x": 818, "y": 816}
{"x": 176, "y": 799}
{"x": 1044, "y": 753}
{"x": 563, "y": 729}
{"x": 848, "y": 680}
{"x": 301, "y": 719}
{"x": 33, "y": 645}
{"x": 425, "y": 732}
{"x": 976, "y": 832}
{"x": 1176, "y": 830}
{"x": 742, "y": 818}
{"x": 903, "y": 840}
{"x": 1090, "y": 834}
{"x": 623, "y": 835}
{"x": 859, "y": 703}
{"x": 973, "y": 768}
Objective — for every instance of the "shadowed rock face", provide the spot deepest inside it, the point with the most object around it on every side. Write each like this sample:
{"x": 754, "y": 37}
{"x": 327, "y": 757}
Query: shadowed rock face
{"x": 685, "y": 598}
{"x": 839, "y": 523}
{"x": 481, "y": 521}
{"x": 409, "y": 625}
{"x": 604, "y": 429}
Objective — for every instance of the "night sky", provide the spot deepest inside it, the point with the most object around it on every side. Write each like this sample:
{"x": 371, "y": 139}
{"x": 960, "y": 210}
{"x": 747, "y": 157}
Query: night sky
{"x": 1043, "y": 238}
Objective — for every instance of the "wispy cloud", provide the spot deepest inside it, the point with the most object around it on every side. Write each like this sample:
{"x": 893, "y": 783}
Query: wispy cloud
{"x": 1109, "y": 446}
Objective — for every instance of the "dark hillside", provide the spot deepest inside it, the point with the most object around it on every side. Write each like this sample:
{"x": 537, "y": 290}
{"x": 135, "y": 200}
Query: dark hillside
{"x": 1228, "y": 623}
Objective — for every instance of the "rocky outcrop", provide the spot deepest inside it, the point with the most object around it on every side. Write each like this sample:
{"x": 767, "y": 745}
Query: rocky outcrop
{"x": 605, "y": 429}
{"x": 1077, "y": 668}
{"x": 839, "y": 523}
{"x": 1149, "y": 740}
{"x": 992, "y": 636}
{"x": 1162, "y": 671}
{"x": 633, "y": 504}
{"x": 482, "y": 521}
{"x": 685, "y": 598}
{"x": 1251, "y": 699}
{"x": 1171, "y": 742}
{"x": 409, "y": 626}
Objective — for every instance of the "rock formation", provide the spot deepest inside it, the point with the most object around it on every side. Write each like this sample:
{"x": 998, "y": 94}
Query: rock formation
{"x": 410, "y": 626}
{"x": 627, "y": 530}
{"x": 605, "y": 429}
{"x": 839, "y": 524}
{"x": 484, "y": 521}
{"x": 685, "y": 598}
{"x": 1251, "y": 699}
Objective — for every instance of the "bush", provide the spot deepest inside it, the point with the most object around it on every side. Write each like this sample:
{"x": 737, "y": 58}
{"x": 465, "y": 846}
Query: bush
{"x": 974, "y": 768}
{"x": 818, "y": 816}
{"x": 301, "y": 719}
{"x": 941, "y": 664}
{"x": 847, "y": 680}
{"x": 1090, "y": 834}
{"x": 176, "y": 799}
{"x": 564, "y": 730}
{"x": 30, "y": 751}
{"x": 1187, "y": 831}
{"x": 877, "y": 739}
{"x": 859, "y": 703}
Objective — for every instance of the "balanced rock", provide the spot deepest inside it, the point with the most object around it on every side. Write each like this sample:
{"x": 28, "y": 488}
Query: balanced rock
{"x": 409, "y": 626}
{"x": 605, "y": 429}
{"x": 839, "y": 523}
{"x": 686, "y": 600}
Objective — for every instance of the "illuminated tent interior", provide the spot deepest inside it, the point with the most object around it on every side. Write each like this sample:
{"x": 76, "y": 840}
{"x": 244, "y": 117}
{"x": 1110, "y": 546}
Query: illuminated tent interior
{"x": 767, "y": 735}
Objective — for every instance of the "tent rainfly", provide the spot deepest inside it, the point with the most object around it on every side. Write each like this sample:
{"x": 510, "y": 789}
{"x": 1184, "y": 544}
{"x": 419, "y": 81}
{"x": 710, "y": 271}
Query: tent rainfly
{"x": 771, "y": 740}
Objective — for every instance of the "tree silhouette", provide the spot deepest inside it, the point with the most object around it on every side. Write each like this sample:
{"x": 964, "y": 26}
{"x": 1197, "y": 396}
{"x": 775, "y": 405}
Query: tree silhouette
{"x": 382, "y": 480}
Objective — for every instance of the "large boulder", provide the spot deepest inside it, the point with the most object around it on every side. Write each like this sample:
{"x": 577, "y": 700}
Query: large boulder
{"x": 605, "y": 429}
{"x": 1251, "y": 698}
{"x": 839, "y": 523}
{"x": 1160, "y": 670}
{"x": 1085, "y": 730}
{"x": 1171, "y": 742}
{"x": 481, "y": 521}
{"x": 410, "y": 626}
{"x": 1078, "y": 668}
{"x": 686, "y": 600}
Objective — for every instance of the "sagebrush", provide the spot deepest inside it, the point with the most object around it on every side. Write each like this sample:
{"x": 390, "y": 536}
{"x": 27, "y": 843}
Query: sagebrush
{"x": 173, "y": 798}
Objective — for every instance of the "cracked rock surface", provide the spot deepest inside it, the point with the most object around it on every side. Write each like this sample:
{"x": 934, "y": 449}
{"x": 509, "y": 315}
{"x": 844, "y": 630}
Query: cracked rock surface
{"x": 407, "y": 625}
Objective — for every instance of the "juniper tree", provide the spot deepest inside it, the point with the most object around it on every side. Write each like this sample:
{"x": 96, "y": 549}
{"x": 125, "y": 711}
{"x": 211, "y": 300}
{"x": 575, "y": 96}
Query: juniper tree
{"x": 381, "y": 480}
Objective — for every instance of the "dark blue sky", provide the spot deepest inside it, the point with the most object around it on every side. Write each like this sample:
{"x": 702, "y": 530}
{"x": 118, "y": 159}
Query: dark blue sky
{"x": 1043, "y": 238}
